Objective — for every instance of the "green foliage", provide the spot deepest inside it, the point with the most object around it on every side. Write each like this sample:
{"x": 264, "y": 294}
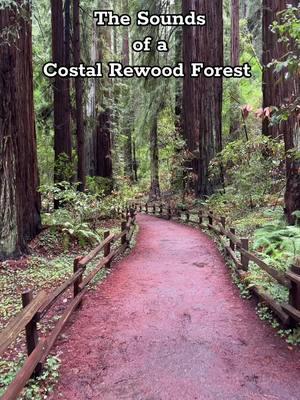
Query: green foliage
{"x": 82, "y": 232}
{"x": 99, "y": 185}
{"x": 278, "y": 241}
{"x": 287, "y": 27}
{"x": 37, "y": 389}
{"x": 288, "y": 30}
{"x": 252, "y": 170}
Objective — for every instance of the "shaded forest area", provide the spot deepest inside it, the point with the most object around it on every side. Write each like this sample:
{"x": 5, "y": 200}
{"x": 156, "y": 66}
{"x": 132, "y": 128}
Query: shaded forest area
{"x": 232, "y": 143}
{"x": 74, "y": 150}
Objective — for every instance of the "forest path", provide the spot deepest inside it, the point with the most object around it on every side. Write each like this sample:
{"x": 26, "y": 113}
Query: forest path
{"x": 168, "y": 324}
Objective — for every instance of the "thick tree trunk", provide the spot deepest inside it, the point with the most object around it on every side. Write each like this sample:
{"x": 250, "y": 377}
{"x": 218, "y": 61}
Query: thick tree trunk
{"x": 128, "y": 168}
{"x": 62, "y": 134}
{"x": 91, "y": 113}
{"x": 104, "y": 120}
{"x": 292, "y": 146}
{"x": 178, "y": 58}
{"x": 209, "y": 93}
{"x": 235, "y": 60}
{"x": 81, "y": 173}
{"x": 278, "y": 91}
{"x": 104, "y": 159}
{"x": 189, "y": 118}
{"x": 273, "y": 83}
{"x": 67, "y": 56}
{"x": 154, "y": 162}
{"x": 19, "y": 199}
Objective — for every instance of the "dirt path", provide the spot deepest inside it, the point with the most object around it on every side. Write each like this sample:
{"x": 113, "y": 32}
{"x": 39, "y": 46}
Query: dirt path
{"x": 168, "y": 324}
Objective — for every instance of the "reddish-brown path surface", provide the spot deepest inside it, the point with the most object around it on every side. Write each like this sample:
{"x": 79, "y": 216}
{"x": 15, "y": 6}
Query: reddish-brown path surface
{"x": 168, "y": 324}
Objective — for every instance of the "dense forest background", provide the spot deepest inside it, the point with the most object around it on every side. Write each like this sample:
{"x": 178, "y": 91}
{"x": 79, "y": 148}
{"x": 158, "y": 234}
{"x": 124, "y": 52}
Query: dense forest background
{"x": 230, "y": 143}
{"x": 73, "y": 151}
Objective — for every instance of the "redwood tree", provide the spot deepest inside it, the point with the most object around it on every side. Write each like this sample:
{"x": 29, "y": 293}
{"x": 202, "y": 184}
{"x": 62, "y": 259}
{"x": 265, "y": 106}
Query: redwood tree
{"x": 128, "y": 156}
{"x": 19, "y": 199}
{"x": 189, "y": 117}
{"x": 279, "y": 92}
{"x": 81, "y": 174}
{"x": 235, "y": 60}
{"x": 209, "y": 93}
{"x": 154, "y": 158}
{"x": 62, "y": 134}
{"x": 273, "y": 83}
{"x": 103, "y": 150}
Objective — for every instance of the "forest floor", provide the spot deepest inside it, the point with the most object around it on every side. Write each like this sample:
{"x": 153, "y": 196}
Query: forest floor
{"x": 167, "y": 324}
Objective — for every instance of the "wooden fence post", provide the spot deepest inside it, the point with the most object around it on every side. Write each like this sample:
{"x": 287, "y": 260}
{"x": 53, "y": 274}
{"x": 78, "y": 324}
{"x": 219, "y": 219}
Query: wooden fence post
{"x": 31, "y": 331}
{"x": 245, "y": 259}
{"x": 76, "y": 268}
{"x": 154, "y": 209}
{"x": 294, "y": 299}
{"x": 106, "y": 249}
{"x": 187, "y": 217}
{"x": 123, "y": 228}
{"x": 200, "y": 217}
{"x": 210, "y": 218}
{"x": 223, "y": 222}
{"x": 232, "y": 244}
{"x": 161, "y": 210}
{"x": 146, "y": 208}
{"x": 132, "y": 213}
{"x": 169, "y": 213}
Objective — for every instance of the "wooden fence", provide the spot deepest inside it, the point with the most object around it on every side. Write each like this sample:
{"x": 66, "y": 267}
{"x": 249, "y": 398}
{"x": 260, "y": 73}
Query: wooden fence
{"x": 35, "y": 309}
{"x": 238, "y": 250}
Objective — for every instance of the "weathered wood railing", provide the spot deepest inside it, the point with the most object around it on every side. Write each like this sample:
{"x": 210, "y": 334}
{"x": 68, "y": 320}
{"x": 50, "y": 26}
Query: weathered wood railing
{"x": 238, "y": 251}
{"x": 35, "y": 309}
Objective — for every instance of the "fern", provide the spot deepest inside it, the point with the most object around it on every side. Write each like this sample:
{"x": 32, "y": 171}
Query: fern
{"x": 279, "y": 241}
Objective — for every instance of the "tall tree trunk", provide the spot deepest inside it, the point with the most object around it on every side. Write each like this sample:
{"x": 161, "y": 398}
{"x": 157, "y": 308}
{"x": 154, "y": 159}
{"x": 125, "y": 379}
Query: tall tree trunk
{"x": 178, "y": 59}
{"x": 104, "y": 167}
{"x": 81, "y": 173}
{"x": 62, "y": 135}
{"x": 209, "y": 93}
{"x": 91, "y": 113}
{"x": 19, "y": 199}
{"x": 292, "y": 146}
{"x": 235, "y": 60}
{"x": 128, "y": 126}
{"x": 278, "y": 91}
{"x": 273, "y": 83}
{"x": 154, "y": 162}
{"x": 189, "y": 117}
{"x": 67, "y": 56}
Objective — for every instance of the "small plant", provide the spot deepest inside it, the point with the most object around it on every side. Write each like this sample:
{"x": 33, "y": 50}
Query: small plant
{"x": 81, "y": 232}
{"x": 279, "y": 241}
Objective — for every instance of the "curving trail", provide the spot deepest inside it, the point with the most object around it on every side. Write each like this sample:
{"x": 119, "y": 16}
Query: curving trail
{"x": 168, "y": 324}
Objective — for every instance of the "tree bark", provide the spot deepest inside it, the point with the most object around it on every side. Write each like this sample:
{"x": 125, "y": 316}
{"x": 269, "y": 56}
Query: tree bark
{"x": 273, "y": 83}
{"x": 67, "y": 56}
{"x": 154, "y": 162}
{"x": 81, "y": 173}
{"x": 19, "y": 199}
{"x": 189, "y": 117}
{"x": 235, "y": 60}
{"x": 278, "y": 91}
{"x": 128, "y": 169}
{"x": 62, "y": 134}
{"x": 209, "y": 94}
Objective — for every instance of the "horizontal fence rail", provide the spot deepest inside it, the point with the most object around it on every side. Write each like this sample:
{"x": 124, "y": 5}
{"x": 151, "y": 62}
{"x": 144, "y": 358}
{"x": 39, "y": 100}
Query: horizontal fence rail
{"x": 237, "y": 249}
{"x": 35, "y": 308}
